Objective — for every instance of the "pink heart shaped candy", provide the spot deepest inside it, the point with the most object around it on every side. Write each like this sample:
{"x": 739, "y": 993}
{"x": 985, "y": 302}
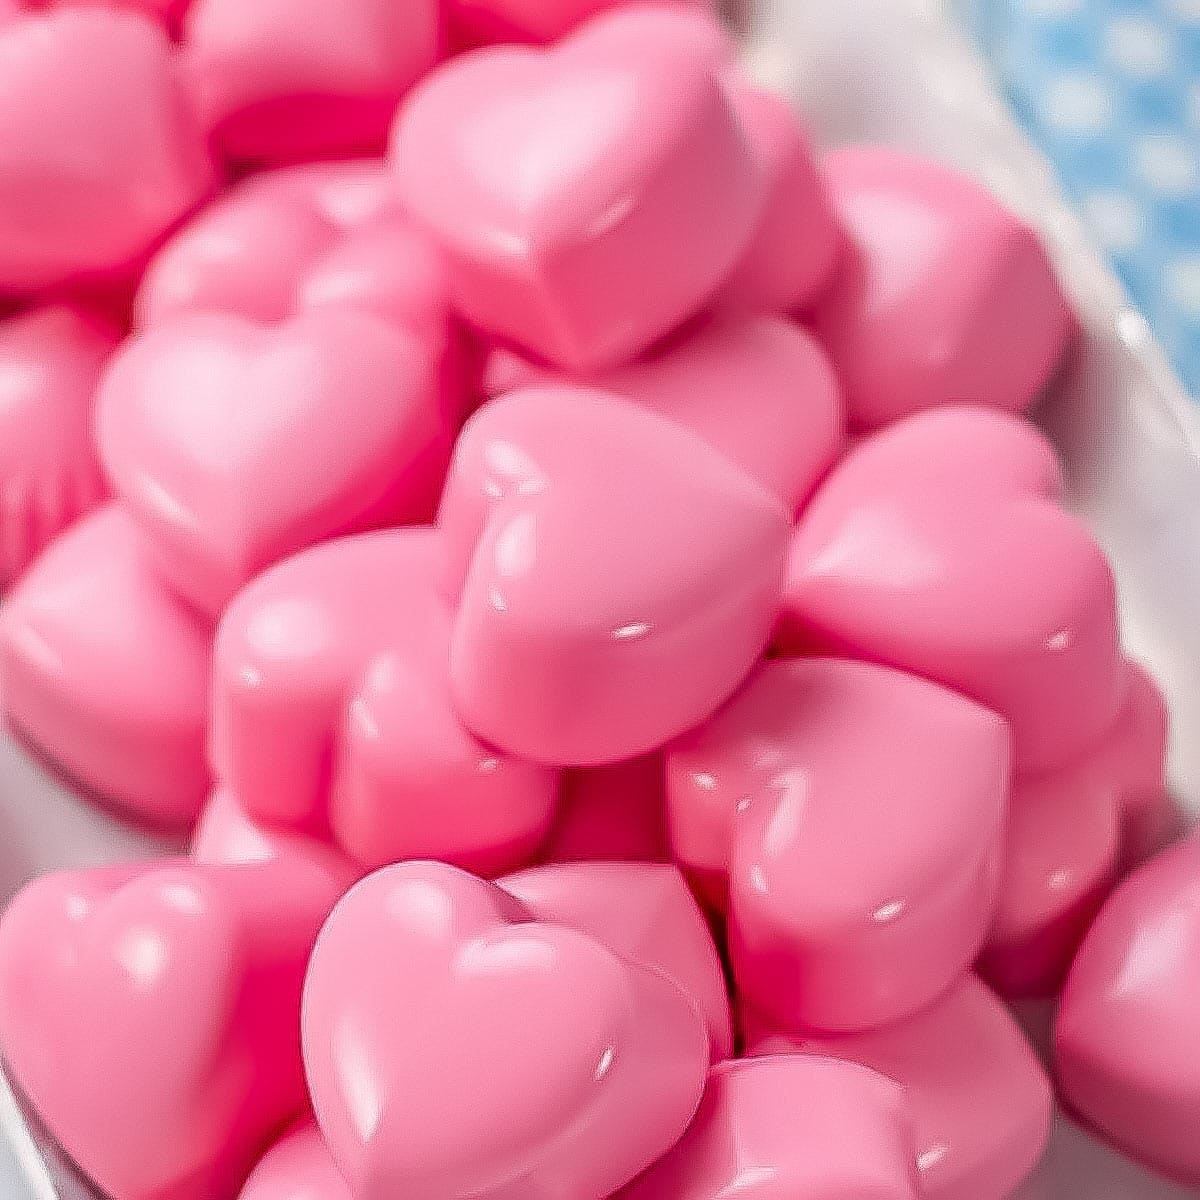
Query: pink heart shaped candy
{"x": 106, "y": 672}
{"x": 942, "y": 296}
{"x": 759, "y": 389}
{"x": 795, "y": 248}
{"x": 151, "y": 1015}
{"x": 291, "y": 79}
{"x": 786, "y": 1127}
{"x": 331, "y": 704}
{"x": 1127, "y": 1038}
{"x": 298, "y": 1167}
{"x": 169, "y": 12}
{"x": 939, "y": 546}
{"x": 645, "y": 913}
{"x": 99, "y": 152}
{"x": 50, "y": 361}
{"x": 611, "y": 814}
{"x": 616, "y": 573}
{"x": 862, "y": 875}
{"x": 235, "y": 445}
{"x": 980, "y": 1100}
{"x": 590, "y": 197}
{"x": 581, "y": 1067}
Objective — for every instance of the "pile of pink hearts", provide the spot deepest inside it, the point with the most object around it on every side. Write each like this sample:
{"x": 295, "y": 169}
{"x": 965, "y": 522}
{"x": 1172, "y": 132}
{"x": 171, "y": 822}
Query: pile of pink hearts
{"x": 577, "y": 560}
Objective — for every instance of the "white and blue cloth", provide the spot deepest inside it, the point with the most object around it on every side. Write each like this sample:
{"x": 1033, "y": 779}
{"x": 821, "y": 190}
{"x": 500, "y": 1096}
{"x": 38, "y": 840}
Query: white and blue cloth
{"x": 1110, "y": 89}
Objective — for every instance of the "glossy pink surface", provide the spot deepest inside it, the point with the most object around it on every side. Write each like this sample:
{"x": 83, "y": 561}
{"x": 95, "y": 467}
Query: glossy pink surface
{"x": 290, "y": 79}
{"x": 759, "y": 389}
{"x": 1071, "y": 833}
{"x": 349, "y": 192}
{"x": 151, "y": 1015}
{"x": 942, "y": 295}
{"x": 794, "y": 250}
{"x": 645, "y": 913}
{"x": 862, "y": 875}
{"x": 787, "y": 1127}
{"x": 50, "y": 361}
{"x": 533, "y": 20}
{"x": 1127, "y": 1039}
{"x": 979, "y": 1097}
{"x": 618, "y": 577}
{"x": 298, "y": 1167}
{"x": 581, "y": 1067}
{"x": 331, "y": 703}
{"x": 611, "y": 814}
{"x": 345, "y": 434}
{"x": 106, "y": 672}
{"x": 590, "y": 197}
{"x": 939, "y": 546}
{"x": 99, "y": 154}
{"x": 167, "y": 11}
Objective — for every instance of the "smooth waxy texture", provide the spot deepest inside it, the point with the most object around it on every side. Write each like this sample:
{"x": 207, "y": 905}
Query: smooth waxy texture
{"x": 602, "y": 556}
{"x": 590, "y": 197}
{"x": 298, "y": 1167}
{"x": 106, "y": 672}
{"x": 940, "y": 546}
{"x": 595, "y": 1065}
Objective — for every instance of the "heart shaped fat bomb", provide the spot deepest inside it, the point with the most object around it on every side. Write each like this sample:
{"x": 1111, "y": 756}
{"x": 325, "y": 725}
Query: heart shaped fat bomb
{"x": 618, "y": 576}
{"x": 331, "y": 705}
{"x": 530, "y": 1060}
{"x": 590, "y": 197}
{"x": 941, "y": 296}
{"x": 940, "y": 546}
{"x": 862, "y": 875}
{"x": 50, "y": 362}
{"x": 786, "y": 1127}
{"x": 106, "y": 672}
{"x": 1127, "y": 1038}
{"x": 99, "y": 152}
{"x": 979, "y": 1098}
{"x": 283, "y": 80}
{"x": 151, "y": 1015}
{"x": 235, "y": 444}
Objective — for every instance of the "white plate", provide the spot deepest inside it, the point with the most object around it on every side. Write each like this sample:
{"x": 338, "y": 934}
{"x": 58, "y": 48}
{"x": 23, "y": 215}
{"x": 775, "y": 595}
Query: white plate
{"x": 893, "y": 71}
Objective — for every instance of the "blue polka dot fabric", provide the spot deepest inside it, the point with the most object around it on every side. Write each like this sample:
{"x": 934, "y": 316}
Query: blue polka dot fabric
{"x": 1110, "y": 89}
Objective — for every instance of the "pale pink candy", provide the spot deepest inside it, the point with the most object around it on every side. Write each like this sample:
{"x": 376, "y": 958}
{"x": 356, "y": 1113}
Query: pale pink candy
{"x": 348, "y": 193}
{"x": 344, "y": 433}
{"x": 979, "y": 1097}
{"x": 1127, "y": 1039}
{"x": 331, "y": 702}
{"x": 940, "y": 546}
{"x": 530, "y": 1060}
{"x": 99, "y": 153}
{"x": 618, "y": 576}
{"x": 50, "y": 361}
{"x": 795, "y": 248}
{"x": 1071, "y": 834}
{"x": 786, "y": 1127}
{"x": 611, "y": 814}
{"x": 106, "y": 672}
{"x": 590, "y": 197}
{"x": 862, "y": 874}
{"x": 759, "y": 389}
{"x": 289, "y": 79}
{"x": 151, "y": 1015}
{"x": 942, "y": 295}
{"x": 533, "y": 20}
{"x": 645, "y": 913}
{"x": 298, "y": 1167}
